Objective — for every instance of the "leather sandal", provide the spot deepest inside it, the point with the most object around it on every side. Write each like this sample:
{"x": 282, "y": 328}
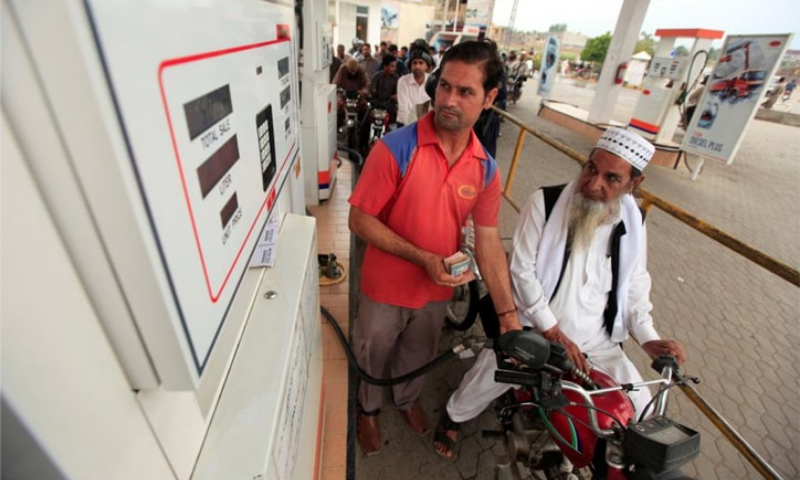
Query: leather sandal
{"x": 368, "y": 431}
{"x": 416, "y": 419}
{"x": 440, "y": 437}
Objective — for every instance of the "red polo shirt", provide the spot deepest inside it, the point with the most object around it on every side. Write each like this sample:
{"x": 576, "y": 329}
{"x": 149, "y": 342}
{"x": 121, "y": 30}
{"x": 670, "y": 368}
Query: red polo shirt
{"x": 427, "y": 205}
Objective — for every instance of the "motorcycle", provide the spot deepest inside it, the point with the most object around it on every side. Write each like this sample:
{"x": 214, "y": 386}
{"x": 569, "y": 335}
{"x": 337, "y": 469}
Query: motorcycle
{"x": 348, "y": 129}
{"x": 567, "y": 425}
{"x": 378, "y": 121}
{"x": 515, "y": 88}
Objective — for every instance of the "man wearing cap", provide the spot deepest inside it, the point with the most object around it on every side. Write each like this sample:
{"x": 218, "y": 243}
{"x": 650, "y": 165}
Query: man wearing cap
{"x": 519, "y": 67}
{"x": 573, "y": 244}
{"x": 411, "y": 88}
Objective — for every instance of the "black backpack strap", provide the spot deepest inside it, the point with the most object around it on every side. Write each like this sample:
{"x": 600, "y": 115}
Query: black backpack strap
{"x": 612, "y": 307}
{"x": 551, "y": 195}
{"x": 610, "y": 312}
{"x": 489, "y": 319}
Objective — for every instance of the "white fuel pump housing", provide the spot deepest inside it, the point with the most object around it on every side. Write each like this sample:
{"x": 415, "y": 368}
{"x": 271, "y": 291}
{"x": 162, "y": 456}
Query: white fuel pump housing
{"x": 656, "y": 116}
{"x": 152, "y": 142}
{"x": 318, "y": 113}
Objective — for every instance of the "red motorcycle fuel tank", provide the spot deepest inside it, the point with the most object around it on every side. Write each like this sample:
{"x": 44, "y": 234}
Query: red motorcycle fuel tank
{"x": 580, "y": 442}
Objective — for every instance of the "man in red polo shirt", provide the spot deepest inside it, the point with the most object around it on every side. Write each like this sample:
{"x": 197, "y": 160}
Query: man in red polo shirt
{"x": 418, "y": 187}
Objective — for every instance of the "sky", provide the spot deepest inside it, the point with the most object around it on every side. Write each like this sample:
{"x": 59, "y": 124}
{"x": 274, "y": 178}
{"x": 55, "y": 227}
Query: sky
{"x": 595, "y": 17}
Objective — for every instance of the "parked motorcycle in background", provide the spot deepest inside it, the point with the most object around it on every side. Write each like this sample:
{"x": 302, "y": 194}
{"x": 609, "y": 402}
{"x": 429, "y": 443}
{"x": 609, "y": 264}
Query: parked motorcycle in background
{"x": 378, "y": 121}
{"x": 349, "y": 126}
{"x": 515, "y": 88}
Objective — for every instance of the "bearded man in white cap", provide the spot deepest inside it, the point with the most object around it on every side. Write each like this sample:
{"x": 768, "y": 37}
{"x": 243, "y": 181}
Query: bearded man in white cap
{"x": 579, "y": 270}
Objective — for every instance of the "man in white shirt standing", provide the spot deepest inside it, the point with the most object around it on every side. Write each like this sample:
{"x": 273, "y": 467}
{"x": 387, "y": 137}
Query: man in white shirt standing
{"x": 518, "y": 67}
{"x": 579, "y": 274}
{"x": 411, "y": 88}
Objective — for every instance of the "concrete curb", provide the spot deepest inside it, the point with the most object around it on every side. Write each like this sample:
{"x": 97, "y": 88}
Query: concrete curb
{"x": 777, "y": 116}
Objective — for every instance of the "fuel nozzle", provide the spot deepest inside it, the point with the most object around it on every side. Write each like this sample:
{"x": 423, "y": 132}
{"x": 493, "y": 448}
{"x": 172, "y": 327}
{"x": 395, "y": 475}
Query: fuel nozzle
{"x": 559, "y": 359}
{"x": 536, "y": 352}
{"x": 468, "y": 247}
{"x": 473, "y": 264}
{"x": 587, "y": 382}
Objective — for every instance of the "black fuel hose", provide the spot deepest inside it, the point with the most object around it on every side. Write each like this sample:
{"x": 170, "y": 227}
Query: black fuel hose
{"x": 352, "y": 155}
{"x": 385, "y": 382}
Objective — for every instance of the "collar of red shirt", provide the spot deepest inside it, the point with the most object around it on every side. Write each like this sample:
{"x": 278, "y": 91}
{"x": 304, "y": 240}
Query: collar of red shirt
{"x": 426, "y": 135}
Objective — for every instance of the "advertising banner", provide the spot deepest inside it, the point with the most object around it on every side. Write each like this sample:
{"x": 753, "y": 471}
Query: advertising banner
{"x": 478, "y": 12}
{"x": 733, "y": 94}
{"x": 548, "y": 65}
{"x": 389, "y": 21}
{"x": 389, "y": 14}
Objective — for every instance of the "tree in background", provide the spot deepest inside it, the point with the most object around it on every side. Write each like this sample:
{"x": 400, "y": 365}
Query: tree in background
{"x": 557, "y": 27}
{"x": 596, "y": 48}
{"x": 646, "y": 44}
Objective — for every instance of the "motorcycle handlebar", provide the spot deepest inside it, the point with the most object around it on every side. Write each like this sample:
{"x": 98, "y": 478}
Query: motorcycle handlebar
{"x": 641, "y": 442}
{"x": 374, "y": 103}
{"x": 533, "y": 353}
{"x": 349, "y": 94}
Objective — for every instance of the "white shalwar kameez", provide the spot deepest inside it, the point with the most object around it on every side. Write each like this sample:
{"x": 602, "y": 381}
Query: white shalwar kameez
{"x": 577, "y": 308}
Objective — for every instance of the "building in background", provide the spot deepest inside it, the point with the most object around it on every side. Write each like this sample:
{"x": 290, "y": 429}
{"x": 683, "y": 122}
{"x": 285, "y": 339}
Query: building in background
{"x": 790, "y": 64}
{"x": 372, "y": 21}
{"x": 571, "y": 43}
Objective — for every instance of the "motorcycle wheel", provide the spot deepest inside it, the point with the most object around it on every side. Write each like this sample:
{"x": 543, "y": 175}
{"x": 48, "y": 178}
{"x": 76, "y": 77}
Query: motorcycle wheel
{"x": 463, "y": 307}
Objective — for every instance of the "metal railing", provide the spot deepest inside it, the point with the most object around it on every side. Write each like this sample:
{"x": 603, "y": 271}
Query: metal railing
{"x": 649, "y": 200}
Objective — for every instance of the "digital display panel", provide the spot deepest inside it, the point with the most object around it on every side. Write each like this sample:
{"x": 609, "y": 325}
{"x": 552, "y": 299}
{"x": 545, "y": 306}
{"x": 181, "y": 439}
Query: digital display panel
{"x": 286, "y": 95}
{"x": 204, "y": 112}
{"x": 283, "y": 67}
{"x": 669, "y": 435}
{"x": 213, "y": 169}
{"x": 229, "y": 209}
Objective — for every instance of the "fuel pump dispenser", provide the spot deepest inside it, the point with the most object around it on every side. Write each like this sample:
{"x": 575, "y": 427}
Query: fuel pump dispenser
{"x": 318, "y": 111}
{"x": 151, "y": 154}
{"x": 656, "y": 116}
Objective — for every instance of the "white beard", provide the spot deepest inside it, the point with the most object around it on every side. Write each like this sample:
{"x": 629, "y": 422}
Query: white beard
{"x": 585, "y": 215}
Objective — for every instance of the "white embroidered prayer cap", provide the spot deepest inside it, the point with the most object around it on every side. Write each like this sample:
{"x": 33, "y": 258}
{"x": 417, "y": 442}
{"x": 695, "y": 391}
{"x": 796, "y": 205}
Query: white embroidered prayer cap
{"x": 630, "y": 146}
